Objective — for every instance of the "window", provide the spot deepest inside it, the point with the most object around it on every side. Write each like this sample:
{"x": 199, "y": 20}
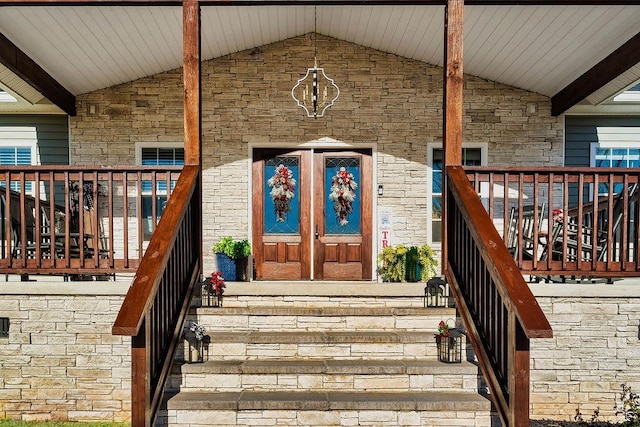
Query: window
{"x": 473, "y": 154}
{"x": 4, "y": 327}
{"x": 157, "y": 155}
{"x": 618, "y": 147}
{"x": 12, "y": 154}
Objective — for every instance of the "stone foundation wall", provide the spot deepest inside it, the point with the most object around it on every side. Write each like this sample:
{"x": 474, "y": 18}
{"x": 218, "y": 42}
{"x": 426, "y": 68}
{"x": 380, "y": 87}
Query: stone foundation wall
{"x": 60, "y": 361}
{"x": 595, "y": 349}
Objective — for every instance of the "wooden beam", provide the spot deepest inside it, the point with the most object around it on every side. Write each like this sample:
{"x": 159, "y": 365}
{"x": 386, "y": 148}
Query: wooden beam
{"x": 192, "y": 83}
{"x": 317, "y": 2}
{"x": 619, "y": 61}
{"x": 24, "y": 67}
{"x": 451, "y": 101}
{"x": 453, "y": 82}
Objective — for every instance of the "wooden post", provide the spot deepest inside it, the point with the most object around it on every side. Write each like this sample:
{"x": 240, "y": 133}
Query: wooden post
{"x": 192, "y": 82}
{"x": 191, "y": 68}
{"x": 139, "y": 379}
{"x": 452, "y": 102}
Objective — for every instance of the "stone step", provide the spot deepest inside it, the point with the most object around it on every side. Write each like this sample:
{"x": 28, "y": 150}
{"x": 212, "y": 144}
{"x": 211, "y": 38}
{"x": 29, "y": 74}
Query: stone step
{"x": 321, "y": 318}
{"x": 319, "y": 344}
{"x": 329, "y": 408}
{"x": 325, "y": 375}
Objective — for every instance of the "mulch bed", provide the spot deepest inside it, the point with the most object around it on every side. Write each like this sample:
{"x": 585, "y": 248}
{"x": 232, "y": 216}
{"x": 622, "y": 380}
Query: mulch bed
{"x": 552, "y": 423}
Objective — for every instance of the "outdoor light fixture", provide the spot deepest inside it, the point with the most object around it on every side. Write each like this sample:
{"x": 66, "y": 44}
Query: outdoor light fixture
{"x": 315, "y": 92}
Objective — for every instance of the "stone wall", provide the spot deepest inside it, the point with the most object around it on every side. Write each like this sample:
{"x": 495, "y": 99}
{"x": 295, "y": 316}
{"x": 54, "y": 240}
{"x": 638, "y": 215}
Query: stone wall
{"x": 595, "y": 349}
{"x": 60, "y": 361}
{"x": 390, "y": 103}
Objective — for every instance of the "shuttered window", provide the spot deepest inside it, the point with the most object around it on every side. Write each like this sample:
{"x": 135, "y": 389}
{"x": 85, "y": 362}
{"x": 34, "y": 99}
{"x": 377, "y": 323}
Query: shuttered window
{"x": 157, "y": 156}
{"x": 16, "y": 156}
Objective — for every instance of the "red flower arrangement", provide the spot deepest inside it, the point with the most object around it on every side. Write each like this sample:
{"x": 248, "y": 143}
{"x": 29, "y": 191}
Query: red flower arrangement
{"x": 216, "y": 284}
{"x": 443, "y": 329}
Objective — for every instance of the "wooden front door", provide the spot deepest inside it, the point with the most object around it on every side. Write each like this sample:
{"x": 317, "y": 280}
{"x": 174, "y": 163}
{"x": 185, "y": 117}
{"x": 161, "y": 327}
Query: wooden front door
{"x": 312, "y": 214}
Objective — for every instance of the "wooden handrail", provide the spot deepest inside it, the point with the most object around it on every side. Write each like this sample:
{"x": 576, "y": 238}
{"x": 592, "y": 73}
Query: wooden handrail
{"x": 156, "y": 305}
{"x": 499, "y": 310}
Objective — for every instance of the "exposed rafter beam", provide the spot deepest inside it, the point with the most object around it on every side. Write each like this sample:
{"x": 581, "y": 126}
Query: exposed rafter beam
{"x": 25, "y": 68}
{"x": 316, "y": 2}
{"x": 619, "y": 61}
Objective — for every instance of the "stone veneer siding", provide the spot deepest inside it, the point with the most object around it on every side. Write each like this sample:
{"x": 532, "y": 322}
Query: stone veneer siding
{"x": 391, "y": 103}
{"x": 595, "y": 349}
{"x": 60, "y": 361}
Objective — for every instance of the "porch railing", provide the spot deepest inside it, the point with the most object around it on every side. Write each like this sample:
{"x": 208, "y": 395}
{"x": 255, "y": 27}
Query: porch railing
{"x": 79, "y": 219}
{"x": 156, "y": 305}
{"x": 499, "y": 310}
{"x": 565, "y": 222}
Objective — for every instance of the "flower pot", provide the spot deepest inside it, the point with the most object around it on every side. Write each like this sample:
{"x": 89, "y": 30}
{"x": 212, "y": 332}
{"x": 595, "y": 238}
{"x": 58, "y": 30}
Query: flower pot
{"x": 412, "y": 271}
{"x": 241, "y": 269}
{"x": 227, "y": 267}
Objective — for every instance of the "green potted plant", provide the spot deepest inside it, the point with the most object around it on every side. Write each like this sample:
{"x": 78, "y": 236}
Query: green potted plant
{"x": 392, "y": 263}
{"x": 428, "y": 262}
{"x": 410, "y": 263}
{"x": 232, "y": 257}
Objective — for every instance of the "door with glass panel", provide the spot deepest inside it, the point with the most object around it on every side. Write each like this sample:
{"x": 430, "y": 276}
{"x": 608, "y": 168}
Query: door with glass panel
{"x": 312, "y": 215}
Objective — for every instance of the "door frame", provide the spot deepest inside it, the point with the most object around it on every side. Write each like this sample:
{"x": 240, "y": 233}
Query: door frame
{"x": 323, "y": 144}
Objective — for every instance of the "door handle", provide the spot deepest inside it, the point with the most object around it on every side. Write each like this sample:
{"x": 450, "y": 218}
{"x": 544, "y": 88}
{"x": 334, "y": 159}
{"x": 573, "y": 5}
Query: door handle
{"x": 317, "y": 233}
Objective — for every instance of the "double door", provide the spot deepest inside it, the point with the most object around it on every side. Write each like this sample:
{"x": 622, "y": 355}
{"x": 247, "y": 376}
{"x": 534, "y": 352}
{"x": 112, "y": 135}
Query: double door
{"x": 312, "y": 214}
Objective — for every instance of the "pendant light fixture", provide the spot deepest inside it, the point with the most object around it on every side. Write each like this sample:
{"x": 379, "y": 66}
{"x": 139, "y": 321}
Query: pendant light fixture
{"x": 315, "y": 92}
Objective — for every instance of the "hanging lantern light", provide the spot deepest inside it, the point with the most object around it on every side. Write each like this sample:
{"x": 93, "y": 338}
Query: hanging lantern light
{"x": 315, "y": 92}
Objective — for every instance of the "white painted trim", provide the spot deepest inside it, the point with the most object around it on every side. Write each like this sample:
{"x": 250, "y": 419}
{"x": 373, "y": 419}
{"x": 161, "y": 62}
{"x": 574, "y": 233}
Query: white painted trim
{"x": 150, "y": 144}
{"x": 484, "y": 158}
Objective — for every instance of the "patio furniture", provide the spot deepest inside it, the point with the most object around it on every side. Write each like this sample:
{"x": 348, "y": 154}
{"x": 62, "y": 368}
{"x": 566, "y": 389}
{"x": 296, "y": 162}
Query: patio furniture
{"x": 525, "y": 227}
{"x": 573, "y": 240}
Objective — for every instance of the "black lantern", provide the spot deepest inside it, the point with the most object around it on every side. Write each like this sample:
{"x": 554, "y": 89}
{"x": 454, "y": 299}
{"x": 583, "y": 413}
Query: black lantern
{"x": 450, "y": 347}
{"x": 435, "y": 293}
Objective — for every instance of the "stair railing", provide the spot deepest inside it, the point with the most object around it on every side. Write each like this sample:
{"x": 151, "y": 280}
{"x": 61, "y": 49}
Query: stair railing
{"x": 156, "y": 305}
{"x": 499, "y": 311}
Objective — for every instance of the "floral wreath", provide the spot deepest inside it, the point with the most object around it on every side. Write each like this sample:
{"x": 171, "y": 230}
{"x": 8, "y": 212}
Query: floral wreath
{"x": 343, "y": 194}
{"x": 282, "y": 186}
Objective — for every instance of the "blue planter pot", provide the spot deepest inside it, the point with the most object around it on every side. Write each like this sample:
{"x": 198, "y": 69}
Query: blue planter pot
{"x": 227, "y": 267}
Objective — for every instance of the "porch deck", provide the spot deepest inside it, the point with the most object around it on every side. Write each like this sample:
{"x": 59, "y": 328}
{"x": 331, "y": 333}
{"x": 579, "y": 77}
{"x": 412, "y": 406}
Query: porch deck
{"x": 43, "y": 284}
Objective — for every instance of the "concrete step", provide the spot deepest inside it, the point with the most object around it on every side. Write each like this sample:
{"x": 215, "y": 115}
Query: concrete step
{"x": 325, "y": 375}
{"x": 355, "y": 344}
{"x": 321, "y": 318}
{"x": 328, "y": 408}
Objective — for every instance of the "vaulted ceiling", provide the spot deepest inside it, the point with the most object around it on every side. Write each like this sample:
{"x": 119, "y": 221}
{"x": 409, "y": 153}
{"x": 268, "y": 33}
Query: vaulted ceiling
{"x": 541, "y": 48}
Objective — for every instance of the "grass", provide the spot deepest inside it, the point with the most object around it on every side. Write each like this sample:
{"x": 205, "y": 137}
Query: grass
{"x": 18, "y": 423}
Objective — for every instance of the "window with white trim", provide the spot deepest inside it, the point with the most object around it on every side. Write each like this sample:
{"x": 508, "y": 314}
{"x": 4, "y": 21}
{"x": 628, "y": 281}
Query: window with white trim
{"x": 618, "y": 147}
{"x": 17, "y": 154}
{"x": 473, "y": 154}
{"x": 148, "y": 154}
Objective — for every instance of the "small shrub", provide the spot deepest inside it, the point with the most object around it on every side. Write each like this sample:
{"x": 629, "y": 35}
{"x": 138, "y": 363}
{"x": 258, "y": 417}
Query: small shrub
{"x": 629, "y": 406}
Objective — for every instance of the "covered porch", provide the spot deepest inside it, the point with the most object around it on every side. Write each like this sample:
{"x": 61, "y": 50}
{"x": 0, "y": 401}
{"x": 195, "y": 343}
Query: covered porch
{"x": 485, "y": 250}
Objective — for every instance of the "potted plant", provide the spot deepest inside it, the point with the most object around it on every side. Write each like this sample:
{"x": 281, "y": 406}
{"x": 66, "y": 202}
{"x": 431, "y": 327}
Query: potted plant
{"x": 212, "y": 290}
{"x": 410, "y": 263}
{"x": 232, "y": 257}
{"x": 392, "y": 263}
{"x": 427, "y": 261}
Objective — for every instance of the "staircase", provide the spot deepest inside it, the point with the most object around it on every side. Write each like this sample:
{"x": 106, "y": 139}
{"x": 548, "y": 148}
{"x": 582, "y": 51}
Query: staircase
{"x": 283, "y": 355}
